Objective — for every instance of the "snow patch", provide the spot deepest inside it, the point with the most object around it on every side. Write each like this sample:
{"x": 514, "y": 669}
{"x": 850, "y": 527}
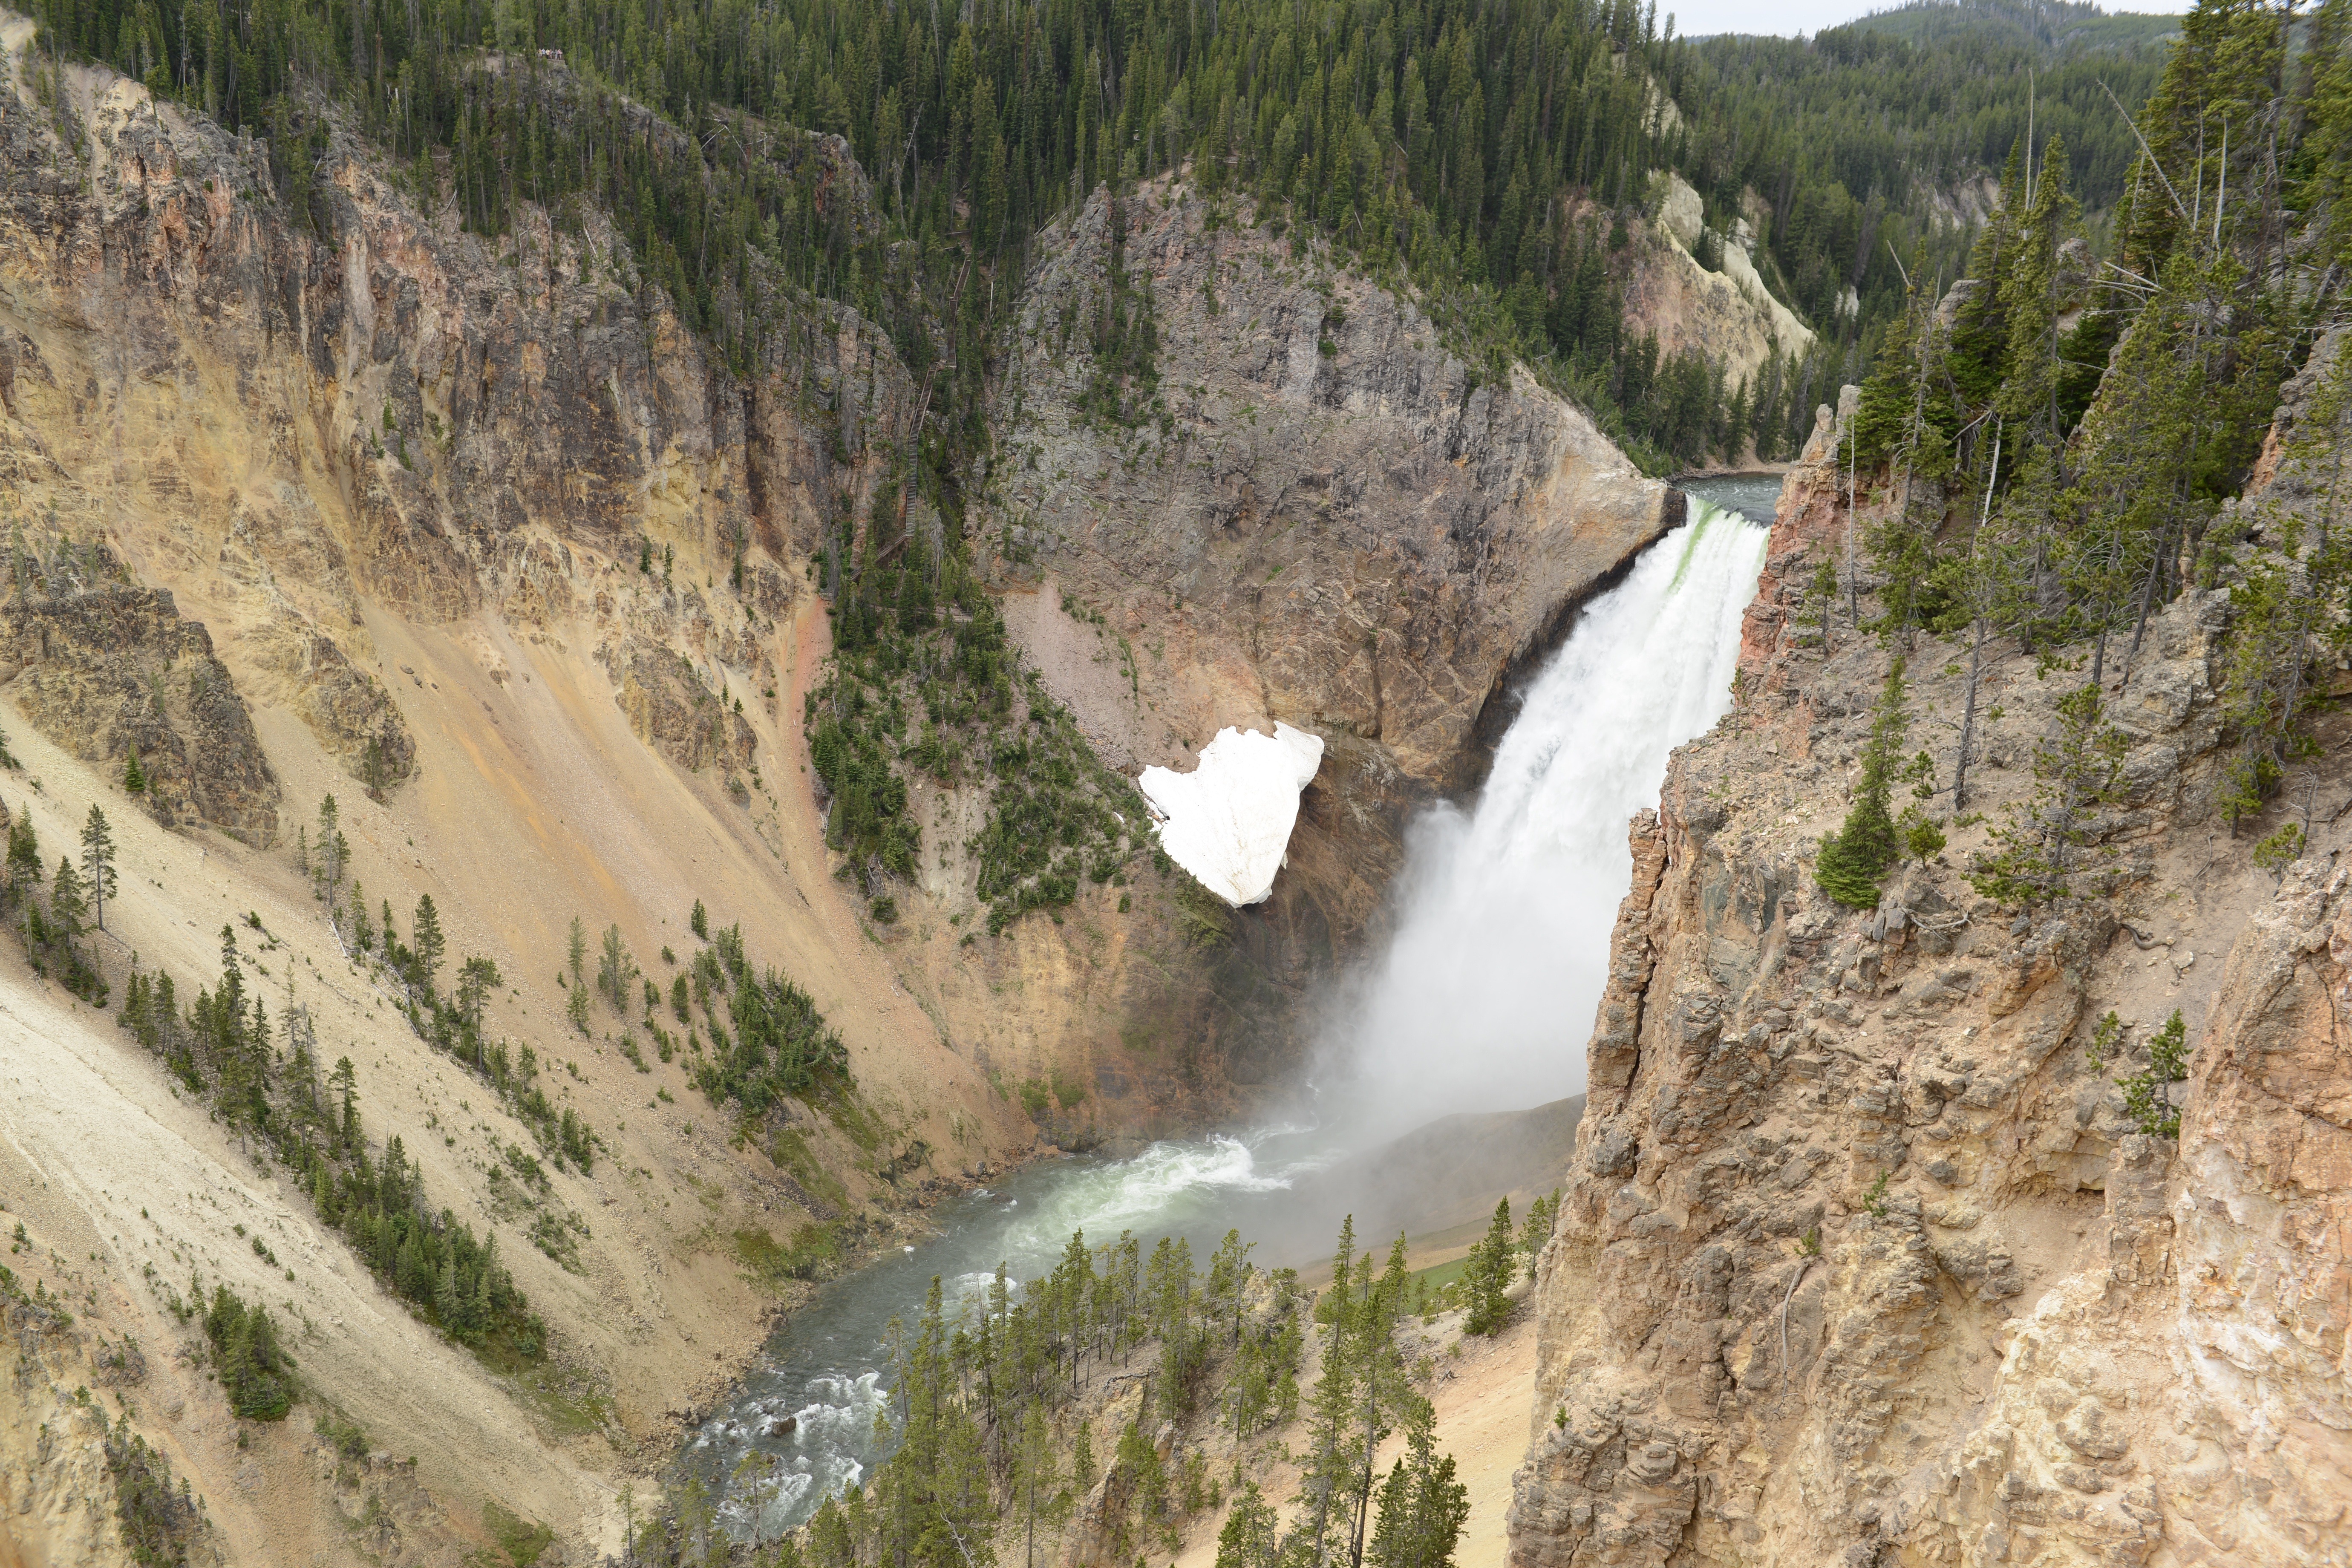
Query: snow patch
{"x": 1228, "y": 822}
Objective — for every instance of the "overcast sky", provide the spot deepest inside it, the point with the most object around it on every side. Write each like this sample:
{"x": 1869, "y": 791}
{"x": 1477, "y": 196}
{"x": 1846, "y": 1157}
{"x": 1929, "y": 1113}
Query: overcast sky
{"x": 1697, "y": 19}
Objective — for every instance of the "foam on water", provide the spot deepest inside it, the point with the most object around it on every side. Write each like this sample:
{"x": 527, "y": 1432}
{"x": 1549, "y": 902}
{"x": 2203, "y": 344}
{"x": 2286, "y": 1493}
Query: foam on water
{"x": 1482, "y": 1002}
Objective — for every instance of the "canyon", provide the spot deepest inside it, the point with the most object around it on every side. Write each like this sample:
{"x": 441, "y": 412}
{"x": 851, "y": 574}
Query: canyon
{"x": 473, "y": 535}
{"x": 314, "y": 486}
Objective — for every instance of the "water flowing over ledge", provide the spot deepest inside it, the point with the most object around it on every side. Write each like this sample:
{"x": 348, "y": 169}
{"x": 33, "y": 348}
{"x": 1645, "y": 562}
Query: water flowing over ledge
{"x": 1487, "y": 990}
{"x": 1482, "y": 1003}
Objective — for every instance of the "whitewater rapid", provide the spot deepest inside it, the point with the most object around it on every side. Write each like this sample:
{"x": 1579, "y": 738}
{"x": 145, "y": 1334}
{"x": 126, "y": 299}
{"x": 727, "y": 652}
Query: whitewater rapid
{"x": 1483, "y": 1002}
{"x": 1488, "y": 990}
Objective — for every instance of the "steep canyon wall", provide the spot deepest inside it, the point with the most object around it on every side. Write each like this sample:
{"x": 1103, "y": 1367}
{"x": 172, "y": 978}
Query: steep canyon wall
{"x": 1863, "y": 1260}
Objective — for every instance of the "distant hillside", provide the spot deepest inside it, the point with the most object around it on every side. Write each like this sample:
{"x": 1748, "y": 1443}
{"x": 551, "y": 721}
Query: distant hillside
{"x": 2053, "y": 25}
{"x": 1863, "y": 143}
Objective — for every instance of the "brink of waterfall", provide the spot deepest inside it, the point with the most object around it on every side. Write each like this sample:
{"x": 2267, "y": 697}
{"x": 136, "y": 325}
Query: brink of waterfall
{"x": 1486, "y": 993}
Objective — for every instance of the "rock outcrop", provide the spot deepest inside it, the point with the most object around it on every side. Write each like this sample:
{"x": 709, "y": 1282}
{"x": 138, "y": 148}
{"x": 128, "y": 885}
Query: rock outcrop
{"x": 1865, "y": 1259}
{"x": 1729, "y": 314}
{"x": 669, "y": 705}
{"x": 110, "y": 671}
{"x": 1317, "y": 514}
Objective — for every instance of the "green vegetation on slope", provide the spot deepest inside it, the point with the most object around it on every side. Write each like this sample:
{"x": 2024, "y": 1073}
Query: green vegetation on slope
{"x": 267, "y": 1081}
{"x": 997, "y": 1449}
{"x": 1482, "y": 150}
{"x": 923, "y": 680}
{"x": 1851, "y": 138}
{"x": 2055, "y": 27}
{"x": 2052, "y": 461}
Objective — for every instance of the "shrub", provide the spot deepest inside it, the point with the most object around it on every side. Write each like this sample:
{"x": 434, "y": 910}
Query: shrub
{"x": 781, "y": 1045}
{"x": 2280, "y": 850}
{"x": 2146, "y": 1102}
{"x": 2055, "y": 838}
{"x": 1853, "y": 861}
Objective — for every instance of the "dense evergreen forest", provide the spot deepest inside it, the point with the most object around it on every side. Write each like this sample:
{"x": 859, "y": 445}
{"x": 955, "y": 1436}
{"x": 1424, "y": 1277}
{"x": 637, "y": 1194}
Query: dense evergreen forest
{"x": 1020, "y": 1440}
{"x": 1487, "y": 153}
{"x": 2055, "y": 25}
{"x": 1850, "y": 138}
{"x": 2052, "y": 453}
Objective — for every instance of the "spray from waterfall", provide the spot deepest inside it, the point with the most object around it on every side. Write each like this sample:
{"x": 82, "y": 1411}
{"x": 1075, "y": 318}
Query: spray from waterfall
{"x": 1486, "y": 994}
{"x": 1483, "y": 1002}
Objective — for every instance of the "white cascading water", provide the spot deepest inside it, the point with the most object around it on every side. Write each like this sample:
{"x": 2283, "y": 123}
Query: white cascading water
{"x": 1482, "y": 1003}
{"x": 1489, "y": 987}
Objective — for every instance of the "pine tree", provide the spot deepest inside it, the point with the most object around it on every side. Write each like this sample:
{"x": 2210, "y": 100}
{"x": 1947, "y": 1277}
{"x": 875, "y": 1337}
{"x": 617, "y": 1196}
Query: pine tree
{"x": 1251, "y": 1536}
{"x": 2028, "y": 401}
{"x": 476, "y": 978}
{"x": 1423, "y": 1506}
{"x": 331, "y": 850}
{"x": 1854, "y": 860}
{"x": 615, "y": 970}
{"x": 23, "y": 865}
{"x": 1489, "y": 1274}
{"x": 1981, "y": 330}
{"x": 97, "y": 863}
{"x": 344, "y": 1083}
{"x": 426, "y": 944}
{"x": 67, "y": 905}
{"x": 1036, "y": 1479}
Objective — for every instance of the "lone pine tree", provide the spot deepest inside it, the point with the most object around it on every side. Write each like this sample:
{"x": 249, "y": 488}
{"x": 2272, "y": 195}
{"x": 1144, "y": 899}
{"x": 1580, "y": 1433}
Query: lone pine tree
{"x": 97, "y": 864}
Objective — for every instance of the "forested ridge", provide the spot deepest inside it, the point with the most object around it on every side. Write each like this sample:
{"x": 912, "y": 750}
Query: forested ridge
{"x": 2056, "y": 24}
{"x": 2063, "y": 445}
{"x": 1488, "y": 154}
{"x": 1849, "y": 136}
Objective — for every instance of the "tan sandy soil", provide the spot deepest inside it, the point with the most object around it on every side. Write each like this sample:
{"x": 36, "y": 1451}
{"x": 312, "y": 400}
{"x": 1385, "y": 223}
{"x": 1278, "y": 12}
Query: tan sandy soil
{"x": 534, "y": 802}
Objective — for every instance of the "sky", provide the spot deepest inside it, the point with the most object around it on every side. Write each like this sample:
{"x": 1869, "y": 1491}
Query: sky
{"x": 1785, "y": 18}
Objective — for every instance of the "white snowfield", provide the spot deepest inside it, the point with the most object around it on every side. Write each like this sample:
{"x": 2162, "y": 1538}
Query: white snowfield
{"x": 1228, "y": 822}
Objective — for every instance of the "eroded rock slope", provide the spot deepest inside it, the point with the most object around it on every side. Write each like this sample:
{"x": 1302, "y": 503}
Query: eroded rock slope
{"x": 1317, "y": 514}
{"x": 1863, "y": 1260}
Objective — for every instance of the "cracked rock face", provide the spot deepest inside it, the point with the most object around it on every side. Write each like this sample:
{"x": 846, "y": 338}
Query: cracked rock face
{"x": 1863, "y": 1260}
{"x": 108, "y": 671}
{"x": 289, "y": 421}
{"x": 1325, "y": 518}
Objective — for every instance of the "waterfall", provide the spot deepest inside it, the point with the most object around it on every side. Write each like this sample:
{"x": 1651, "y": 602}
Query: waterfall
{"x": 1486, "y": 994}
{"x": 1483, "y": 1002}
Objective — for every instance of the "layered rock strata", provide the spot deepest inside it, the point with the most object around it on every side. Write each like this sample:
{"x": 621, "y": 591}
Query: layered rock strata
{"x": 1864, "y": 1259}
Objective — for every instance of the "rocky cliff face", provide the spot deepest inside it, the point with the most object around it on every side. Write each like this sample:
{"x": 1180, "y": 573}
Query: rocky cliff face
{"x": 1317, "y": 514}
{"x": 1729, "y": 314}
{"x": 1863, "y": 1260}
{"x": 112, "y": 672}
{"x": 289, "y": 416}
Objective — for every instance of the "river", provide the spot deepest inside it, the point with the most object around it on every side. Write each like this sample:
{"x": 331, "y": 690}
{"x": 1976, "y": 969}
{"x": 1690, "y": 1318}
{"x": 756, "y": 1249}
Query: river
{"x": 1480, "y": 1002}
